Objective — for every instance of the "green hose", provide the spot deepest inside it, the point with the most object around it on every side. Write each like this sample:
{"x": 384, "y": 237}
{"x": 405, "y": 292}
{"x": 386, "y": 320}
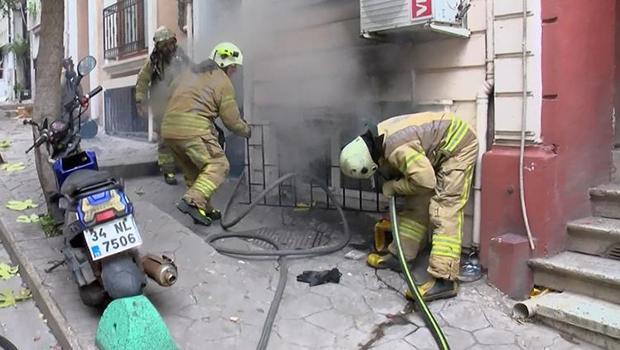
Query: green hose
{"x": 430, "y": 320}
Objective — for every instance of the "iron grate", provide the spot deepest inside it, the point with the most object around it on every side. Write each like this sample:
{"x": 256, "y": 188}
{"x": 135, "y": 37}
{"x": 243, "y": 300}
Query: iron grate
{"x": 292, "y": 238}
{"x": 614, "y": 252}
{"x": 354, "y": 195}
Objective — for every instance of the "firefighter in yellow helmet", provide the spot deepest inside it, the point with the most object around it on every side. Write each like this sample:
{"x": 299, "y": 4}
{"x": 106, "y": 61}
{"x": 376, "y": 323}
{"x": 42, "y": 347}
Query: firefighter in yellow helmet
{"x": 201, "y": 94}
{"x": 429, "y": 158}
{"x": 153, "y": 89}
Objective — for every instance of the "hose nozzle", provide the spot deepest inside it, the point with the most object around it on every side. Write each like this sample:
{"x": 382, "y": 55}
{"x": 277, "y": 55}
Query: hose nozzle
{"x": 162, "y": 269}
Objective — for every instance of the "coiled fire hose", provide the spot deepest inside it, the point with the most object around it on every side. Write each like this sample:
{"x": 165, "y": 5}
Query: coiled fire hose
{"x": 429, "y": 319}
{"x": 5, "y": 344}
{"x": 280, "y": 254}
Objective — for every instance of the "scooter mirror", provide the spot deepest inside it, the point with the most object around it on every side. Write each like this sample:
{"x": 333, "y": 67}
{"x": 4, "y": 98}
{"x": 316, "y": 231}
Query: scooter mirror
{"x": 86, "y": 65}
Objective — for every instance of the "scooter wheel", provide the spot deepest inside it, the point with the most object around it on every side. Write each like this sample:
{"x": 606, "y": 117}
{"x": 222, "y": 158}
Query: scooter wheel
{"x": 121, "y": 276}
{"x": 93, "y": 294}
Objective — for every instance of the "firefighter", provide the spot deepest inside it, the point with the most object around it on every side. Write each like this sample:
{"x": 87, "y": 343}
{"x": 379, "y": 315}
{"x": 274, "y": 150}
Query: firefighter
{"x": 201, "y": 94}
{"x": 429, "y": 159}
{"x": 154, "y": 80}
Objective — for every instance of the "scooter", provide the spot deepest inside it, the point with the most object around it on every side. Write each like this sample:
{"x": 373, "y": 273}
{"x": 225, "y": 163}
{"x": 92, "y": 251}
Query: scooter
{"x": 101, "y": 235}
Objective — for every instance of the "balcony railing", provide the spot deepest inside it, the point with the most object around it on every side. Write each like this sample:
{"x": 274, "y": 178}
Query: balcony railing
{"x": 124, "y": 28}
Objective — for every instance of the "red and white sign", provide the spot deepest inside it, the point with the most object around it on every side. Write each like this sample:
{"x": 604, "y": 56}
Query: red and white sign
{"x": 421, "y": 9}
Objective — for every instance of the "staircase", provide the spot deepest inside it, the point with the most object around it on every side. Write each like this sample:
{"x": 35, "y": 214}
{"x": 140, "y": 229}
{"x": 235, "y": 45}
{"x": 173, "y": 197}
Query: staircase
{"x": 588, "y": 273}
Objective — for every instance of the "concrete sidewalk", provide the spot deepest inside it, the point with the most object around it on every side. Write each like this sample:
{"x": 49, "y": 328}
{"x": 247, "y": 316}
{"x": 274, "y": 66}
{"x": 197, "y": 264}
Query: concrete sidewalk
{"x": 23, "y": 324}
{"x": 222, "y": 302}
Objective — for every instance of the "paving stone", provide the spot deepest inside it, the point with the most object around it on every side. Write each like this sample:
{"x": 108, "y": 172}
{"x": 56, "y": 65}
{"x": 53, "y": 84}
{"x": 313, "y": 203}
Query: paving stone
{"x": 492, "y": 336}
{"x": 366, "y": 323}
{"x": 352, "y": 339}
{"x": 499, "y": 319}
{"x": 179, "y": 329}
{"x": 395, "y": 345}
{"x": 302, "y": 305}
{"x": 494, "y": 347}
{"x": 532, "y": 337}
{"x": 465, "y": 315}
{"x": 384, "y": 303}
{"x": 214, "y": 329}
{"x": 277, "y": 343}
{"x": 303, "y": 333}
{"x": 458, "y": 339}
{"x": 422, "y": 339}
{"x": 331, "y": 321}
{"x": 350, "y": 304}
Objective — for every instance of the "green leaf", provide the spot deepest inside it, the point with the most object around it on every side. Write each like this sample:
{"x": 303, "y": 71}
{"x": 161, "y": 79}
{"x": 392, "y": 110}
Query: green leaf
{"x": 23, "y": 294}
{"x": 21, "y": 205}
{"x": 7, "y": 299}
{"x": 27, "y": 219}
{"x": 4, "y": 144}
{"x": 12, "y": 167}
{"x": 7, "y": 271}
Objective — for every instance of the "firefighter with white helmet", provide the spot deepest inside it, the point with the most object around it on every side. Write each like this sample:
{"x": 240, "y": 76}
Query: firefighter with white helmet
{"x": 429, "y": 159}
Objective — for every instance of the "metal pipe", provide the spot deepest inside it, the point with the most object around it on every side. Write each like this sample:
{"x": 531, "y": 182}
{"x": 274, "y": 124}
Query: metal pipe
{"x": 482, "y": 109}
{"x": 525, "y": 309}
{"x": 262, "y": 148}
{"x": 247, "y": 150}
{"x": 523, "y": 127}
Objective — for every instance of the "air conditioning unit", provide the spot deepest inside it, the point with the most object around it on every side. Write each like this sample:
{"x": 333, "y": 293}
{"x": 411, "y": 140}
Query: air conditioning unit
{"x": 426, "y": 19}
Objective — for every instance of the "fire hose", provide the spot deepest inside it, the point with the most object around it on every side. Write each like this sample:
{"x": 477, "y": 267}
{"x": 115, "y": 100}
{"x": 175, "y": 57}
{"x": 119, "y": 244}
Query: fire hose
{"x": 280, "y": 254}
{"x": 429, "y": 319}
{"x": 283, "y": 254}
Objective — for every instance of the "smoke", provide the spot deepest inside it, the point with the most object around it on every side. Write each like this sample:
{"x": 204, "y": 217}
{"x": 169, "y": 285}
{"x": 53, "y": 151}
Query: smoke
{"x": 306, "y": 72}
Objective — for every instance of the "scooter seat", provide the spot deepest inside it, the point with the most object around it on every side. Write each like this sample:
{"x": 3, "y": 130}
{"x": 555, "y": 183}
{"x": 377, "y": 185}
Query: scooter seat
{"x": 78, "y": 181}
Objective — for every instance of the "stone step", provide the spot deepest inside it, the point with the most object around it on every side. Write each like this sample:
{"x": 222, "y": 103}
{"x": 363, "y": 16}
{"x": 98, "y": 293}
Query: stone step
{"x": 595, "y": 236}
{"x": 593, "y": 320}
{"x": 606, "y": 200}
{"x": 579, "y": 273}
{"x": 615, "y": 172}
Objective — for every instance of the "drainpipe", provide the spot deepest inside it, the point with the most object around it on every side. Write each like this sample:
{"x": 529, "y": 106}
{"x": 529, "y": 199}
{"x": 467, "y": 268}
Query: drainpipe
{"x": 151, "y": 27}
{"x": 189, "y": 15}
{"x": 482, "y": 109}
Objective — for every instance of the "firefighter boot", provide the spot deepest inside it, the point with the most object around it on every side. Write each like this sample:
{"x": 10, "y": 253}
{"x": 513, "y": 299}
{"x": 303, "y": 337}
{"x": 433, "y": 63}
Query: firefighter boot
{"x": 436, "y": 289}
{"x": 202, "y": 216}
{"x": 170, "y": 178}
{"x": 384, "y": 261}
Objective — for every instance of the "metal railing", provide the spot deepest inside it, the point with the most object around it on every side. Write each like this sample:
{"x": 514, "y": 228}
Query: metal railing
{"x": 354, "y": 195}
{"x": 124, "y": 28}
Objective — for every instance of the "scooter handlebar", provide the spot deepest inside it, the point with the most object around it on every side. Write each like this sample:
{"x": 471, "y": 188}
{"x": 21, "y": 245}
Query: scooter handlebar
{"x": 39, "y": 141}
{"x": 94, "y": 92}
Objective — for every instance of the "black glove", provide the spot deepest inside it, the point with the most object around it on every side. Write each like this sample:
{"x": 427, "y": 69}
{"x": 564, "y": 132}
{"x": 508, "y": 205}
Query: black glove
{"x": 315, "y": 278}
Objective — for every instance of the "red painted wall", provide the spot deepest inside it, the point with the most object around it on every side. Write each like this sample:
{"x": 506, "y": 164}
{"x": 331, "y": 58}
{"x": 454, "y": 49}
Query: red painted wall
{"x": 578, "y": 67}
{"x": 578, "y": 70}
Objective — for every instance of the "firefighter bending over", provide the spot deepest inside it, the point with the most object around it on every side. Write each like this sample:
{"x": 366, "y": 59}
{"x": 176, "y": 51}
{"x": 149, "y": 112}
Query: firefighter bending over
{"x": 429, "y": 159}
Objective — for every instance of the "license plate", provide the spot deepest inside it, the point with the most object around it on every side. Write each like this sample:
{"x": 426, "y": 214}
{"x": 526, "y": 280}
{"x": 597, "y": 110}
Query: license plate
{"x": 112, "y": 237}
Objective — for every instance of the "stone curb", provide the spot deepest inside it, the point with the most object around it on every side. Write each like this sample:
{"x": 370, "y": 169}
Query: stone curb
{"x": 55, "y": 319}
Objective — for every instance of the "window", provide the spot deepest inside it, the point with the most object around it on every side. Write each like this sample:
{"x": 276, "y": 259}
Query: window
{"x": 124, "y": 28}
